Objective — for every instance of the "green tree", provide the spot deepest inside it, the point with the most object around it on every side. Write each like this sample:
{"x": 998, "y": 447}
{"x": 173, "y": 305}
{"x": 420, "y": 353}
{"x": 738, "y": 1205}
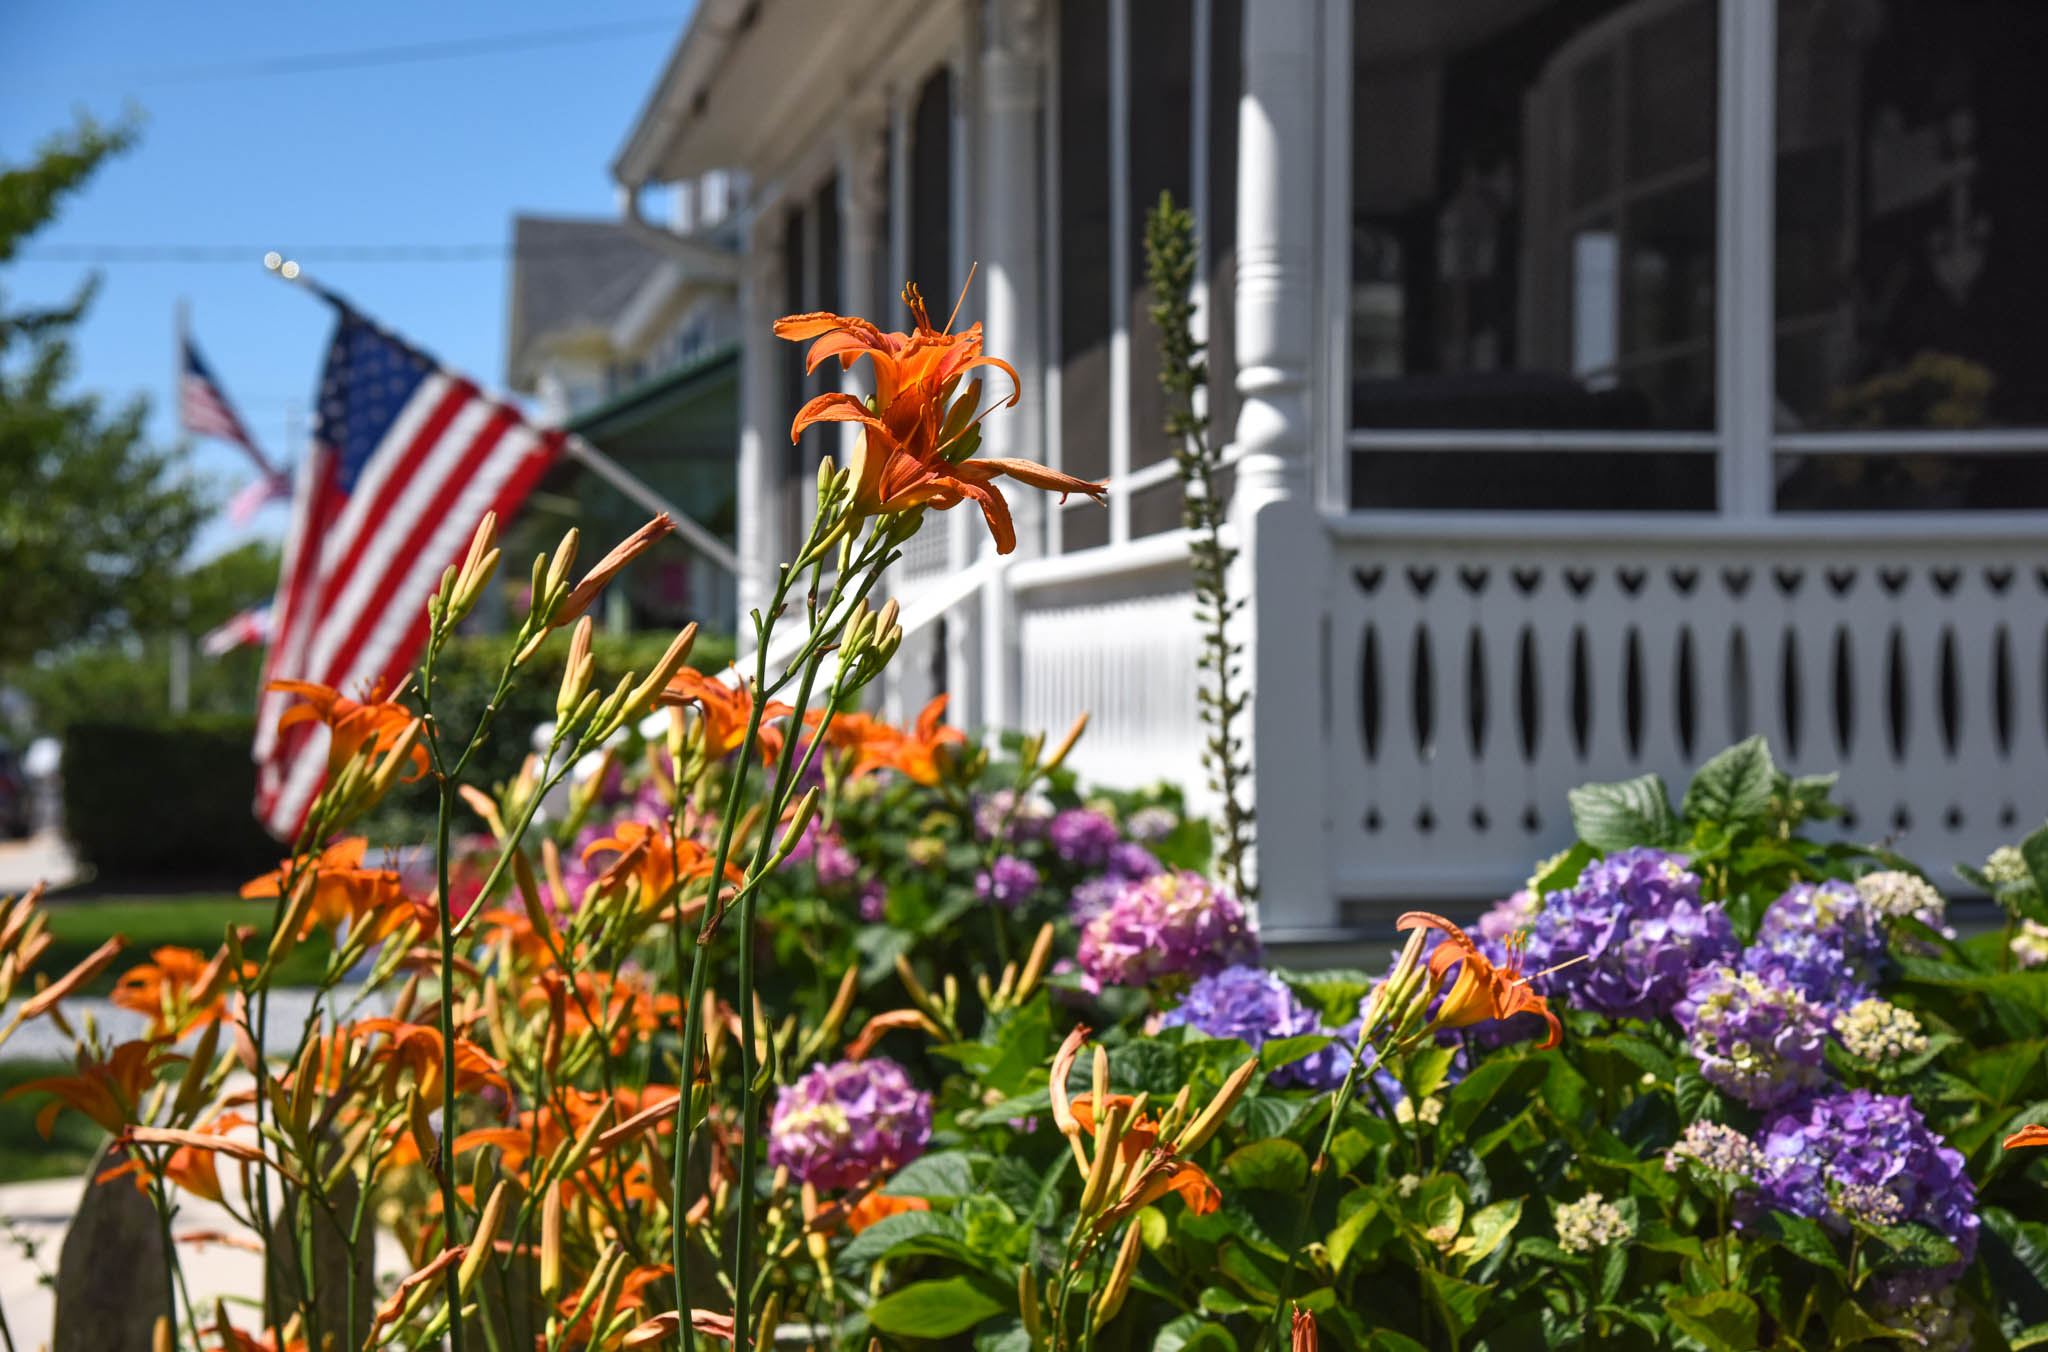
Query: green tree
{"x": 94, "y": 522}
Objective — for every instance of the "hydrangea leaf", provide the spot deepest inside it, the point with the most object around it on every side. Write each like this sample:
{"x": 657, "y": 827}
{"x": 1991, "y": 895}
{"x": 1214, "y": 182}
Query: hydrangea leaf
{"x": 1805, "y": 1237}
{"x": 1192, "y": 1333}
{"x": 1613, "y": 817}
{"x": 947, "y": 1175}
{"x": 936, "y": 1309}
{"x": 1273, "y": 1165}
{"x": 1734, "y": 787}
{"x": 1458, "y": 1302}
{"x": 1851, "y": 1324}
{"x": 883, "y": 1238}
{"x": 1287, "y": 1050}
{"x": 1006, "y": 1336}
{"x": 1722, "y": 1321}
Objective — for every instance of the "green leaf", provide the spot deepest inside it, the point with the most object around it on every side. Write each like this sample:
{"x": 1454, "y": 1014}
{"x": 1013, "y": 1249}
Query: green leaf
{"x": 937, "y": 1309}
{"x": 1344, "y": 1239}
{"x": 1008, "y": 1336}
{"x": 1427, "y": 1069}
{"x": 1488, "y": 1230}
{"x": 1192, "y": 1333}
{"x": 1287, "y": 1050}
{"x": 1459, "y": 1302}
{"x": 1732, "y": 788}
{"x": 1222, "y": 1300}
{"x": 2034, "y": 849}
{"x": 1805, "y": 1237}
{"x": 1616, "y": 816}
{"x": 881, "y": 1239}
{"x": 1723, "y": 1321}
{"x": 1274, "y": 1165}
{"x": 1564, "y": 870}
{"x": 1472, "y": 1107}
{"x": 1440, "y": 1204}
{"x": 1917, "y": 1244}
{"x": 949, "y": 1174}
{"x": 1386, "y": 1340}
{"x": 1264, "y": 1115}
{"x": 1335, "y": 994}
{"x": 1023, "y": 1046}
{"x": 1851, "y": 1324}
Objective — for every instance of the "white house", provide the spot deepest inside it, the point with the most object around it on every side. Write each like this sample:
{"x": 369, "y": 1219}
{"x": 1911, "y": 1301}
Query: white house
{"x": 1603, "y": 380}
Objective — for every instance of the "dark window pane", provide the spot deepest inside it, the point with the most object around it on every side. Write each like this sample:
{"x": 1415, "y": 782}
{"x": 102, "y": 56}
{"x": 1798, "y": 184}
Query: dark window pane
{"x": 1533, "y": 214}
{"x": 931, "y": 193}
{"x": 1161, "y": 84}
{"x": 1911, "y": 210}
{"x": 1522, "y": 481}
{"x": 2014, "y": 481}
{"x": 1156, "y": 508}
{"x": 1083, "y": 525}
{"x": 1226, "y": 82}
{"x": 1083, "y": 245}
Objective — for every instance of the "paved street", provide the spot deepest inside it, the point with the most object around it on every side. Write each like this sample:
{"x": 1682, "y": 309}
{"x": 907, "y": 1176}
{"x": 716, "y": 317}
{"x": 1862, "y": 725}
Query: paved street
{"x": 41, "y": 858}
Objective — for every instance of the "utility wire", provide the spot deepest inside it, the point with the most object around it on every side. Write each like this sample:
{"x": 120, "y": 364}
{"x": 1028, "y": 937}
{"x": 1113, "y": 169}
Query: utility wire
{"x": 312, "y": 62}
{"x": 245, "y": 254}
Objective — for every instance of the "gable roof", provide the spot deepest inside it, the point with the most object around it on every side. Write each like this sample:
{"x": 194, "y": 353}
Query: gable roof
{"x": 570, "y": 275}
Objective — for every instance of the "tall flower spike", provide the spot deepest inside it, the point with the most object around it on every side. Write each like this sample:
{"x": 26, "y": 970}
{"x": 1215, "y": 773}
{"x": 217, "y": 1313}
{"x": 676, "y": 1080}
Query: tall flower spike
{"x": 917, "y": 442}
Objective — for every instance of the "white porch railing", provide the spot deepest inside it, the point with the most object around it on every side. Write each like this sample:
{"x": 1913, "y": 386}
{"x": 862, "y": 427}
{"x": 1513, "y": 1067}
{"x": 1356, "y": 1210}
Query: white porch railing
{"x": 1472, "y": 682}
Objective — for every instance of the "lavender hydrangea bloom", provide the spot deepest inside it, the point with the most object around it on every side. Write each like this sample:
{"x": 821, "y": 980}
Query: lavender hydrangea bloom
{"x": 1008, "y": 882}
{"x": 1132, "y": 861}
{"x": 1637, "y": 918}
{"x": 841, "y": 1124}
{"x": 1756, "y": 1035}
{"x": 1844, "y": 1144}
{"x": 1256, "y": 1007}
{"x": 1826, "y": 938}
{"x": 1027, "y": 819}
{"x": 1083, "y": 837}
{"x": 874, "y": 900}
{"x": 1094, "y": 896}
{"x": 1171, "y": 924}
{"x": 1506, "y": 916}
{"x": 1151, "y": 824}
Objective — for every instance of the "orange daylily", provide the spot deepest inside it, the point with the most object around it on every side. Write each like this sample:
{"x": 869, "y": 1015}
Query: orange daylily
{"x": 912, "y": 752}
{"x": 376, "y": 722}
{"x": 875, "y": 1206}
{"x": 2027, "y": 1136}
{"x": 416, "y": 1048}
{"x": 106, "y": 1091}
{"x": 1482, "y": 991}
{"x": 723, "y": 711}
{"x": 343, "y": 890}
{"x": 654, "y": 857}
{"x": 1151, "y": 1179}
{"x": 1304, "y": 1330}
{"x": 179, "y": 988}
{"x": 914, "y": 450}
{"x": 191, "y": 1164}
{"x": 622, "y": 1004}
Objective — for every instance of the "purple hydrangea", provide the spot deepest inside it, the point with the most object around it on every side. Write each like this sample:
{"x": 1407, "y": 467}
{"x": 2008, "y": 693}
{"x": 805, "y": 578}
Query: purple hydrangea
{"x": 1027, "y": 819}
{"x": 1637, "y": 920}
{"x": 826, "y": 852}
{"x": 1506, "y": 916}
{"x": 842, "y": 1124}
{"x": 1131, "y": 861}
{"x": 1822, "y": 1159}
{"x": 1171, "y": 924}
{"x": 1826, "y": 939}
{"x": 874, "y": 900}
{"x": 1093, "y": 896}
{"x": 1009, "y": 882}
{"x": 1083, "y": 837}
{"x": 1256, "y": 1007}
{"x": 1756, "y": 1035}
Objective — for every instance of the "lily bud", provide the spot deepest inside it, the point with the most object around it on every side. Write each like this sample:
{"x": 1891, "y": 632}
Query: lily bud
{"x": 1034, "y": 965}
{"x": 671, "y": 662}
{"x": 551, "y": 1243}
{"x": 799, "y": 822}
{"x": 576, "y": 671}
{"x": 1119, "y": 1284}
{"x": 1204, "y": 1126}
{"x": 480, "y": 1246}
{"x": 558, "y": 567}
{"x": 1059, "y": 753}
{"x": 622, "y": 554}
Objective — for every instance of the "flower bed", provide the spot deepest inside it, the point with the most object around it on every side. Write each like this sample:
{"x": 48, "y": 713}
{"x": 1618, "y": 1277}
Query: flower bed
{"x": 787, "y": 1024}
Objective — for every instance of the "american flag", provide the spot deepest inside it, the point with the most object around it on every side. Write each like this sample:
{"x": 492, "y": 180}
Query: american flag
{"x": 249, "y": 627}
{"x": 406, "y": 459}
{"x": 204, "y": 410}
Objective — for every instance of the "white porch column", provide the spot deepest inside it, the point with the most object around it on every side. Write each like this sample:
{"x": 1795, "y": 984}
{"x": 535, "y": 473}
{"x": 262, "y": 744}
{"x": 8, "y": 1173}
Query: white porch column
{"x": 863, "y": 196}
{"x": 1011, "y": 78}
{"x": 763, "y": 430}
{"x": 1284, "y": 565}
{"x": 963, "y": 524}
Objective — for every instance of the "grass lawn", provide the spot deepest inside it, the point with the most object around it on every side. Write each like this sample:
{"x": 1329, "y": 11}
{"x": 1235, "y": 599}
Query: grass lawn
{"x": 197, "y": 921}
{"x": 24, "y": 1155}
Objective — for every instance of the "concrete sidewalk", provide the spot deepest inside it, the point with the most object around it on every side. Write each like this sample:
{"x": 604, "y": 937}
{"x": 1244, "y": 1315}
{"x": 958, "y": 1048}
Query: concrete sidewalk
{"x": 42, "y": 858}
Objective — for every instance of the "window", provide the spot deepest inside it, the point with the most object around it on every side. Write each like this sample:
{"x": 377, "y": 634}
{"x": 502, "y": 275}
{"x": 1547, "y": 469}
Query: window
{"x": 1910, "y": 277}
{"x": 931, "y": 191}
{"x": 1145, "y": 103}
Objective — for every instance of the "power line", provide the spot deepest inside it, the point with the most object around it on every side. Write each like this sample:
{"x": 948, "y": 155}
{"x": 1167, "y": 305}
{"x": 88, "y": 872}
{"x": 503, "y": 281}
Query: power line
{"x": 246, "y": 254}
{"x": 357, "y": 58}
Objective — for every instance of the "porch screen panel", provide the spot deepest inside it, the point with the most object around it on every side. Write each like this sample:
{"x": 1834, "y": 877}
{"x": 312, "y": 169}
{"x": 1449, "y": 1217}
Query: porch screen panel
{"x": 931, "y": 194}
{"x": 1912, "y": 286}
{"x": 1533, "y": 236}
{"x": 1084, "y": 245}
{"x": 1161, "y": 83}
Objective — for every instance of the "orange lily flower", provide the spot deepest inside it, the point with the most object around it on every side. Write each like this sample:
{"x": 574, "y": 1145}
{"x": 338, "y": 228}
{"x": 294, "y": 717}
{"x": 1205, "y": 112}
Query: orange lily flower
{"x": 2027, "y": 1136}
{"x": 377, "y": 723}
{"x": 723, "y": 711}
{"x": 179, "y": 988}
{"x": 914, "y": 450}
{"x": 106, "y": 1091}
{"x": 653, "y": 857}
{"x": 343, "y": 890}
{"x": 875, "y": 1206}
{"x": 1152, "y": 1179}
{"x": 914, "y": 752}
{"x": 1304, "y": 1330}
{"x": 1482, "y": 990}
{"x": 416, "y": 1048}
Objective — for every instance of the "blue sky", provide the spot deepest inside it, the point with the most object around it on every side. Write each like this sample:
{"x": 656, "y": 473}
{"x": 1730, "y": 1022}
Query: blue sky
{"x": 419, "y": 152}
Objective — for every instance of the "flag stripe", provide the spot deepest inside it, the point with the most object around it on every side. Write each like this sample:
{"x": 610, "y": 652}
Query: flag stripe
{"x": 386, "y": 480}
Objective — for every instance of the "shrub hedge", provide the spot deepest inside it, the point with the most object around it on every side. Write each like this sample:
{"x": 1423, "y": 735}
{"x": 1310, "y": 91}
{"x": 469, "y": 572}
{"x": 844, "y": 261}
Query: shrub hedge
{"x": 168, "y": 799}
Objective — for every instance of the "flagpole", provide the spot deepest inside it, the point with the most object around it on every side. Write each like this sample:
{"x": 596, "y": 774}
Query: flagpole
{"x": 606, "y": 468}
